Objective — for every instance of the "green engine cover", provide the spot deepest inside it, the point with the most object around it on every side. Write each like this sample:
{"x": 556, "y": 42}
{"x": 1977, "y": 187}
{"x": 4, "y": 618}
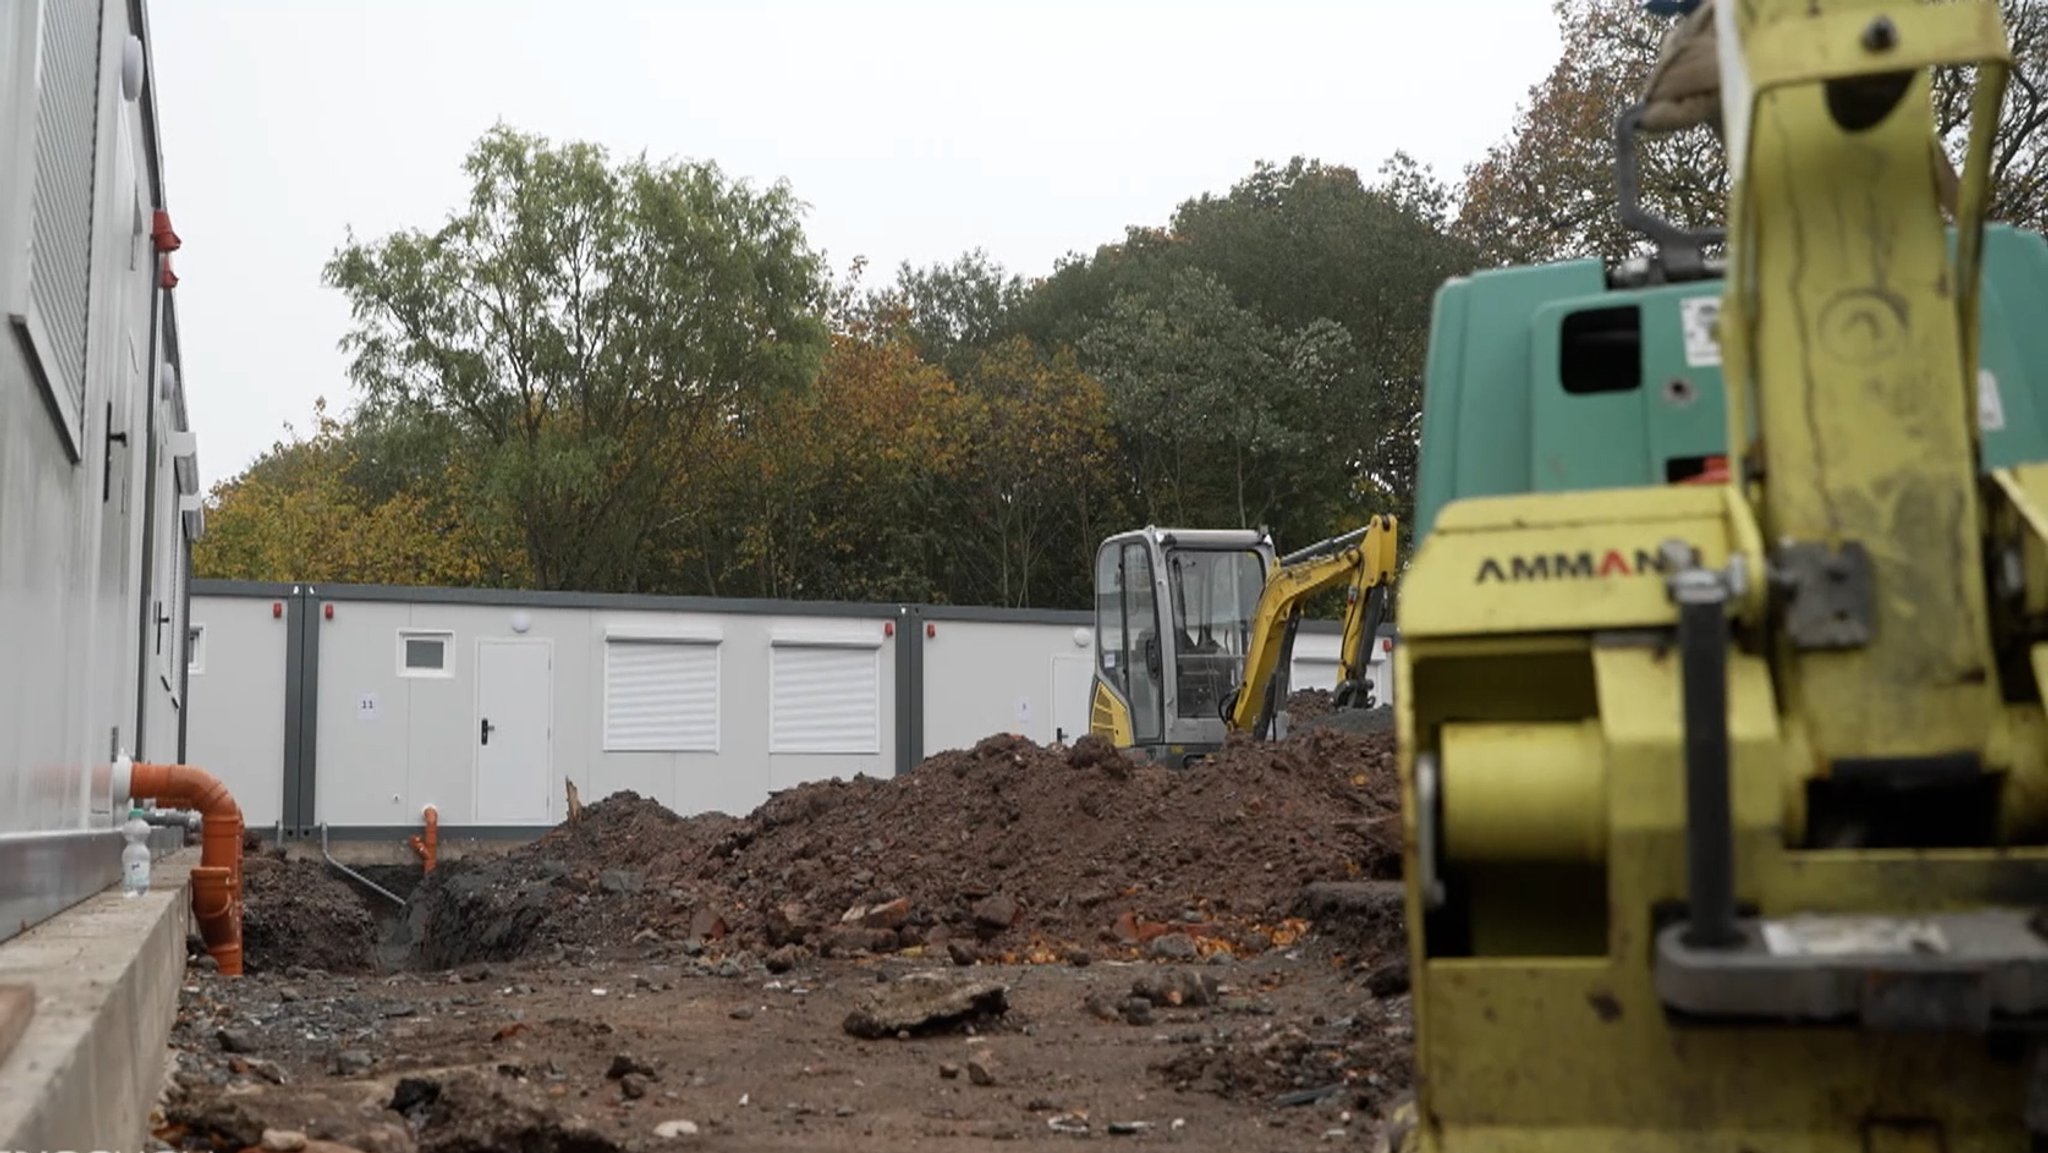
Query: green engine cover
{"x": 1545, "y": 379}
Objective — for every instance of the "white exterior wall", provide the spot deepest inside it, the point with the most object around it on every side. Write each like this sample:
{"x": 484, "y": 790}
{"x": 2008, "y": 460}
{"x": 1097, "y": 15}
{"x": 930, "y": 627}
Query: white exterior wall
{"x": 237, "y": 686}
{"x": 89, "y": 408}
{"x": 986, "y": 677}
{"x": 389, "y": 743}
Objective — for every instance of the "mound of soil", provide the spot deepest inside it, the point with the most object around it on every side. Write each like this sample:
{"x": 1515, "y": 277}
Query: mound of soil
{"x": 297, "y": 912}
{"x": 1008, "y": 850}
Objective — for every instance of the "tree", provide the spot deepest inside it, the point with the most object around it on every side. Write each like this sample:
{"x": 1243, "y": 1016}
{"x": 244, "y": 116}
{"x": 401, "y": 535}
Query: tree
{"x": 832, "y": 494}
{"x": 1547, "y": 192}
{"x": 1227, "y": 419}
{"x": 952, "y": 311}
{"x": 1039, "y": 482}
{"x": 578, "y": 332}
{"x": 294, "y": 516}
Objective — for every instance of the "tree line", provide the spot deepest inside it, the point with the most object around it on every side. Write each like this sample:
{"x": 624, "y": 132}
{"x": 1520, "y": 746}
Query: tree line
{"x": 625, "y": 375}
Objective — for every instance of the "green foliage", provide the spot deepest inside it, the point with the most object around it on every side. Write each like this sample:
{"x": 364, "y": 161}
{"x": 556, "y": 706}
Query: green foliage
{"x": 637, "y": 376}
{"x": 576, "y": 330}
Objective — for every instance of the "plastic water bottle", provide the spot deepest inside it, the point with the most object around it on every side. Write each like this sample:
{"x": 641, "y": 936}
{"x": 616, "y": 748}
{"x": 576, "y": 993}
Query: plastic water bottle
{"x": 135, "y": 857}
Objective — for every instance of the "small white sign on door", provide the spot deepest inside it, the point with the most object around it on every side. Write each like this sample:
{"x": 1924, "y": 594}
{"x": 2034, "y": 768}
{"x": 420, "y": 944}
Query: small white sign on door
{"x": 1024, "y": 715}
{"x": 366, "y": 706}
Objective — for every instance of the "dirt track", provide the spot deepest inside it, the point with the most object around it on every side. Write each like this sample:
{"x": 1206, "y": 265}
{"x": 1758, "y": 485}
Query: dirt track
{"x": 1169, "y": 970}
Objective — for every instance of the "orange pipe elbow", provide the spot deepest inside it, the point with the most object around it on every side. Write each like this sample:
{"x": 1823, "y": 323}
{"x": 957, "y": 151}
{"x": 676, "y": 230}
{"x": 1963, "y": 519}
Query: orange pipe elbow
{"x": 217, "y": 882}
{"x": 426, "y": 849}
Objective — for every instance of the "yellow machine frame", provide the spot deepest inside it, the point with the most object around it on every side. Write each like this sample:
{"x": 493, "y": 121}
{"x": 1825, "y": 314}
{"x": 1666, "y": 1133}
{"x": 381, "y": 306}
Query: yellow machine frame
{"x": 1735, "y": 843}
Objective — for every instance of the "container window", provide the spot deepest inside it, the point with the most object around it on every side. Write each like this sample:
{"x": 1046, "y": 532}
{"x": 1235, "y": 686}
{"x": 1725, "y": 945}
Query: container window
{"x": 422, "y": 654}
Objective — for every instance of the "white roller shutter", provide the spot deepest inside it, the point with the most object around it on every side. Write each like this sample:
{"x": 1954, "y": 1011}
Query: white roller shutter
{"x": 60, "y": 229}
{"x": 825, "y": 698}
{"x": 660, "y": 695}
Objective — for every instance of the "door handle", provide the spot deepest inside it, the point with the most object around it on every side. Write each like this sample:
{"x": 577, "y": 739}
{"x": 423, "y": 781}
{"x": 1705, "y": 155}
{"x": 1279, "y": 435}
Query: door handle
{"x": 1060, "y": 735}
{"x": 486, "y": 734}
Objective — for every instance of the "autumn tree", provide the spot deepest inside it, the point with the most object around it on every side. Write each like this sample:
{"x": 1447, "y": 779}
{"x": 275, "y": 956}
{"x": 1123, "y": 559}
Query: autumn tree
{"x": 1040, "y": 480}
{"x": 831, "y": 493}
{"x": 578, "y": 331}
{"x": 295, "y": 515}
{"x": 1547, "y": 192}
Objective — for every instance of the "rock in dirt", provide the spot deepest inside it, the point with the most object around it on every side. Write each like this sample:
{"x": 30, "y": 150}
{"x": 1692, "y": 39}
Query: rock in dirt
{"x": 994, "y": 915}
{"x": 352, "y": 1062}
{"x": 982, "y": 1069}
{"x": 1173, "y": 947}
{"x": 626, "y": 1065}
{"x": 1177, "y": 988}
{"x": 236, "y": 1041}
{"x": 283, "y": 1141}
{"x": 923, "y": 1002}
{"x": 672, "y": 1130}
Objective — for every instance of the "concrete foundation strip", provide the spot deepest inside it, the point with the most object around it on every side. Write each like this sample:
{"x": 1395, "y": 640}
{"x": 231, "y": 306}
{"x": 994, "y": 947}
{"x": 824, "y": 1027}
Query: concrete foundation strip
{"x": 17, "y": 1009}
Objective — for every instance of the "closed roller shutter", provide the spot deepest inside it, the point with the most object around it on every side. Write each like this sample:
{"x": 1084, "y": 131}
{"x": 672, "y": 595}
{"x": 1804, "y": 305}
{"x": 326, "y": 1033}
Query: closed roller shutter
{"x": 660, "y": 696}
{"x": 60, "y": 242}
{"x": 825, "y": 698}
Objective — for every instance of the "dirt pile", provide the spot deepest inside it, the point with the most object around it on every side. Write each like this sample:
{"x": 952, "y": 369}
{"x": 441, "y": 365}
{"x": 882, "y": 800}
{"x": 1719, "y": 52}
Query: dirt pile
{"x": 1008, "y": 850}
{"x": 297, "y": 912}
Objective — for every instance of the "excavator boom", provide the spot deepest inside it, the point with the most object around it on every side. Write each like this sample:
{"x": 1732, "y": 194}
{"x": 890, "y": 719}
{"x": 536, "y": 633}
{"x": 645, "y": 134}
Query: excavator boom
{"x": 1364, "y": 558}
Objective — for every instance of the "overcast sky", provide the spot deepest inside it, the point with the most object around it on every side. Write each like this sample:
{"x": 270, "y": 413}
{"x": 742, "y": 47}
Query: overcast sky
{"x": 1030, "y": 128}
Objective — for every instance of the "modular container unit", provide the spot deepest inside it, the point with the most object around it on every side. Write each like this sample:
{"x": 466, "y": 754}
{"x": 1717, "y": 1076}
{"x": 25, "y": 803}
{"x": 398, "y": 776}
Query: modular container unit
{"x": 354, "y": 709}
{"x": 351, "y": 710}
{"x": 98, "y": 468}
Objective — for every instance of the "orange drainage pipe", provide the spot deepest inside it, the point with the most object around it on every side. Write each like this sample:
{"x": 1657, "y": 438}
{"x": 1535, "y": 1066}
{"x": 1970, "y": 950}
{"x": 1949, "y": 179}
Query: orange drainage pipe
{"x": 217, "y": 881}
{"x": 426, "y": 849}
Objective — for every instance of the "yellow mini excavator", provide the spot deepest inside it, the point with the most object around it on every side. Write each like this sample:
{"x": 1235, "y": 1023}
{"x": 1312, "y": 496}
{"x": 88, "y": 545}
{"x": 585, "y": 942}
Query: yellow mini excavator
{"x": 1195, "y": 628}
{"x": 1720, "y": 693}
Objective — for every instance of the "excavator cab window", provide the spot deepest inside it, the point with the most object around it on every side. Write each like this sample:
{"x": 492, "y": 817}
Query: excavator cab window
{"x": 1127, "y": 636}
{"x": 1214, "y": 593}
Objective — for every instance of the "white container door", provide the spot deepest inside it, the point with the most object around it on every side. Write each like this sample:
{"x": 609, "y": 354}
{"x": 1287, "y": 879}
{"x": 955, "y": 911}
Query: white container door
{"x": 515, "y": 711}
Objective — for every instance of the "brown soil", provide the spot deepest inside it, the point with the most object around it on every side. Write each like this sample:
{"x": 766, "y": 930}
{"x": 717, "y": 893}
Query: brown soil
{"x": 1209, "y": 956}
{"x": 297, "y": 912}
{"x": 1007, "y": 849}
{"x": 1285, "y": 1049}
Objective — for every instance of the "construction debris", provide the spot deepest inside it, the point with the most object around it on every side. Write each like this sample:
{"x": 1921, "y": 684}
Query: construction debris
{"x": 921, "y": 1002}
{"x": 1008, "y": 851}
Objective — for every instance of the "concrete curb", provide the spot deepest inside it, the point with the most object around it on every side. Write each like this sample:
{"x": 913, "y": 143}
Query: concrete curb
{"x": 106, "y": 975}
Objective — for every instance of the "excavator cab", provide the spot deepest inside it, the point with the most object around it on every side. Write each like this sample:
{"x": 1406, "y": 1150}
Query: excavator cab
{"x": 1174, "y": 617}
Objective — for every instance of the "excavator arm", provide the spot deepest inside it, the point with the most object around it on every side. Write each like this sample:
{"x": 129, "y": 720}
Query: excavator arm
{"x": 1366, "y": 558}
